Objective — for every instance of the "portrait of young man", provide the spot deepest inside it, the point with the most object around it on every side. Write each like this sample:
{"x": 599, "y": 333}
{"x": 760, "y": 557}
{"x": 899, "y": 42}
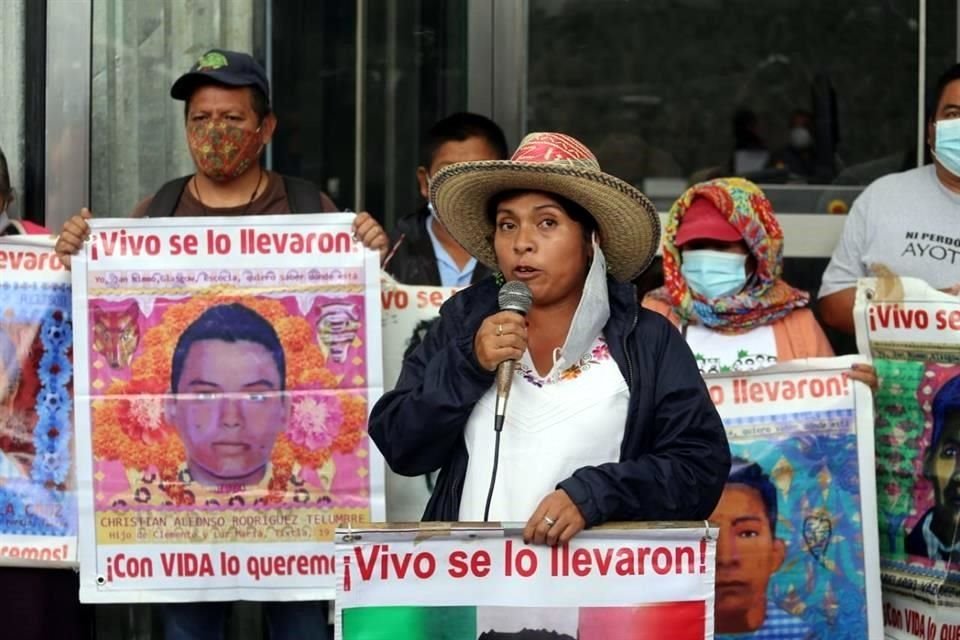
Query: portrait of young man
{"x": 227, "y": 398}
{"x": 748, "y": 554}
{"x": 935, "y": 535}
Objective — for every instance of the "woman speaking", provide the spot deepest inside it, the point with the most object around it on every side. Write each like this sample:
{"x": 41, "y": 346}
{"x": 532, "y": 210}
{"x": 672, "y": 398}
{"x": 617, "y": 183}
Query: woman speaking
{"x": 608, "y": 416}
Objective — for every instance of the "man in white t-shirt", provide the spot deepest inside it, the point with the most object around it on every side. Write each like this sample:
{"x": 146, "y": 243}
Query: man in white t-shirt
{"x": 907, "y": 224}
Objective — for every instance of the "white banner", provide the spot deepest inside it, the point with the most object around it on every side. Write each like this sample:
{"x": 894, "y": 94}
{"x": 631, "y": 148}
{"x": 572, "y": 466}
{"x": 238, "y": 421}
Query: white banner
{"x": 38, "y": 501}
{"x": 659, "y": 577}
{"x": 911, "y": 332}
{"x": 229, "y": 366}
{"x": 798, "y": 553}
{"x": 910, "y": 618}
{"x": 408, "y": 312}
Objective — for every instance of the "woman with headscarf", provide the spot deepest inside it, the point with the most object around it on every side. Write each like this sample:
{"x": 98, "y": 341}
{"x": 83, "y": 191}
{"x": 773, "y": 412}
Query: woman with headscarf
{"x": 608, "y": 417}
{"x": 723, "y": 284}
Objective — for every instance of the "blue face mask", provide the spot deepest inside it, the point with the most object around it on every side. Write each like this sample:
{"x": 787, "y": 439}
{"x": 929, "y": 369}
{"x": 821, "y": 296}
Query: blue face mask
{"x": 947, "y": 145}
{"x": 714, "y": 274}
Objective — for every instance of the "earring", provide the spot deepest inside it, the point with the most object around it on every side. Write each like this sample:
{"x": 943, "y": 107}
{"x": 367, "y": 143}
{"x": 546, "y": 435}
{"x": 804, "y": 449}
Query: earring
{"x": 499, "y": 278}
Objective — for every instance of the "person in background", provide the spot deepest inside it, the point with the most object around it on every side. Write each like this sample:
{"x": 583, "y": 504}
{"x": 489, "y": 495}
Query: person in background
{"x": 9, "y": 226}
{"x": 722, "y": 261}
{"x": 427, "y": 253}
{"x": 750, "y": 152}
{"x": 798, "y": 156}
{"x": 608, "y": 418}
{"x": 28, "y": 595}
{"x": 905, "y": 223}
{"x": 228, "y": 124}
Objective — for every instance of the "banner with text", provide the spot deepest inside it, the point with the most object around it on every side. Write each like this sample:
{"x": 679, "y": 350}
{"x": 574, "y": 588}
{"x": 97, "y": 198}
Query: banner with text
{"x": 912, "y": 332}
{"x": 408, "y": 312}
{"x": 38, "y": 502}
{"x": 798, "y": 552}
{"x": 229, "y": 365}
{"x": 455, "y": 582}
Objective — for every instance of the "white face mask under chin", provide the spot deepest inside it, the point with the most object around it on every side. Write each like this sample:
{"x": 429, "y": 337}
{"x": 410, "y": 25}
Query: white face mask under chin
{"x": 590, "y": 317}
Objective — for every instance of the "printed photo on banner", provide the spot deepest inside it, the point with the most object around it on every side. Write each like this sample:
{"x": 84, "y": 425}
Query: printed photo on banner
{"x": 651, "y": 582}
{"x": 224, "y": 410}
{"x": 220, "y": 401}
{"x": 797, "y": 555}
{"x": 407, "y": 314}
{"x": 912, "y": 332}
{"x": 38, "y": 519}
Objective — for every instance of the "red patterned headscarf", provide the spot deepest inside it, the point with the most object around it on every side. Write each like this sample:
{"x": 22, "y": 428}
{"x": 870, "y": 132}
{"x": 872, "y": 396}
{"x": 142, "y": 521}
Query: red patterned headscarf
{"x": 766, "y": 298}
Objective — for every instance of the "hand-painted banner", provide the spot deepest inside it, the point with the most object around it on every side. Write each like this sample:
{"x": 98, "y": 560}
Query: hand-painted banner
{"x": 230, "y": 364}
{"x": 911, "y": 332}
{"x": 38, "y": 502}
{"x": 408, "y": 313}
{"x": 638, "y": 583}
{"x": 798, "y": 554}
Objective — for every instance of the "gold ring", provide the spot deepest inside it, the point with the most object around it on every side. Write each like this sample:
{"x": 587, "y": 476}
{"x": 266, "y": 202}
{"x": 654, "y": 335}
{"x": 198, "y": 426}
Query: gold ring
{"x": 499, "y": 329}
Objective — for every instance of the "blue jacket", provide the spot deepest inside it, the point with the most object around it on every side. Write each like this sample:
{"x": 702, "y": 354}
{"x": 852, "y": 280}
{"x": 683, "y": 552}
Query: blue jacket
{"x": 674, "y": 458}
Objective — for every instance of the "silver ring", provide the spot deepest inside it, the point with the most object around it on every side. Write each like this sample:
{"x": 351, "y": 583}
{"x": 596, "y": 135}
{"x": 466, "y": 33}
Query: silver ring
{"x": 550, "y": 521}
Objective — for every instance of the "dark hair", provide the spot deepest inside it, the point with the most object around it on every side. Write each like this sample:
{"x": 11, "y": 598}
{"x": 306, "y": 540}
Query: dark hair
{"x": 750, "y": 474}
{"x": 6, "y": 190}
{"x": 946, "y": 401}
{"x": 229, "y": 323}
{"x": 258, "y": 99}
{"x": 936, "y": 93}
{"x": 801, "y": 113}
{"x": 744, "y": 130}
{"x": 459, "y": 127}
{"x": 576, "y": 212}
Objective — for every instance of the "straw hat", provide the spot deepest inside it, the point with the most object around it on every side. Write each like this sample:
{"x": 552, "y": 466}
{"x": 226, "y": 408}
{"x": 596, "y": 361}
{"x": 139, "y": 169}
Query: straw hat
{"x": 555, "y": 163}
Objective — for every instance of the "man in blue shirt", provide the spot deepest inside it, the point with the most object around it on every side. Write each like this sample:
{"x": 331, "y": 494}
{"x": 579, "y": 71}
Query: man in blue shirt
{"x": 427, "y": 254}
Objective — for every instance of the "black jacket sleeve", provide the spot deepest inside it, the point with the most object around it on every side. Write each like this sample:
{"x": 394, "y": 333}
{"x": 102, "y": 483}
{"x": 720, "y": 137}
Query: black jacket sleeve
{"x": 678, "y": 472}
{"x": 417, "y": 426}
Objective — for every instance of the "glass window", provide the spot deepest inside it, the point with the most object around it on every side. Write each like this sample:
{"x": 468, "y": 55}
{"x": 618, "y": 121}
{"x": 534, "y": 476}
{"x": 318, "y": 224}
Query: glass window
{"x": 414, "y": 73}
{"x": 12, "y": 96}
{"x": 789, "y": 94}
{"x": 314, "y": 54}
{"x": 139, "y": 49}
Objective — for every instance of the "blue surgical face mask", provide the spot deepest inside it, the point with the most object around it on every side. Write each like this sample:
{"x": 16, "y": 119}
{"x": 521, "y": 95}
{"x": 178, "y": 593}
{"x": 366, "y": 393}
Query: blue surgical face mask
{"x": 714, "y": 274}
{"x": 947, "y": 145}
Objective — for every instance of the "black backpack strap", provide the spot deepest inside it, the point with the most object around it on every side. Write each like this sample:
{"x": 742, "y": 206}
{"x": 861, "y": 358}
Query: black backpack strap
{"x": 165, "y": 200}
{"x": 302, "y": 195}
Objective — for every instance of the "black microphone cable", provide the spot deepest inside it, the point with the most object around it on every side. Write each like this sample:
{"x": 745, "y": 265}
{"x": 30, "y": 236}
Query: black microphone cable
{"x": 514, "y": 296}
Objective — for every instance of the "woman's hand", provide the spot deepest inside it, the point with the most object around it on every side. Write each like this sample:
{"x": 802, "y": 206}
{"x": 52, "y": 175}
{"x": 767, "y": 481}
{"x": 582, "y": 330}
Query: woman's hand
{"x": 555, "y": 521}
{"x": 866, "y": 374}
{"x": 75, "y": 231}
{"x": 502, "y": 336}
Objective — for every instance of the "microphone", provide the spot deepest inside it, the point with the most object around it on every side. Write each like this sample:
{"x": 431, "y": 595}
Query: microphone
{"x": 514, "y": 296}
